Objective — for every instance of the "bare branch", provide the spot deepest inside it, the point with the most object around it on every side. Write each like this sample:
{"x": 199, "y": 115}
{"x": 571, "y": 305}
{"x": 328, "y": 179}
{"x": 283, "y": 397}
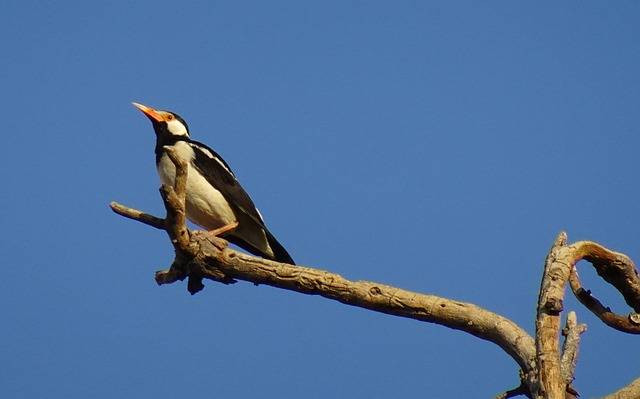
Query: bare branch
{"x": 631, "y": 391}
{"x": 570, "y": 347}
{"x": 135, "y": 214}
{"x": 617, "y": 269}
{"x": 625, "y": 324}
{"x": 175, "y": 273}
{"x": 174, "y": 201}
{"x": 614, "y": 267}
{"x": 550, "y": 304}
{"x": 369, "y": 295}
{"x": 520, "y": 390}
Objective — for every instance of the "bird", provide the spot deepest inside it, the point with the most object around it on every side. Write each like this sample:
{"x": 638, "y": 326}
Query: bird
{"x": 215, "y": 200}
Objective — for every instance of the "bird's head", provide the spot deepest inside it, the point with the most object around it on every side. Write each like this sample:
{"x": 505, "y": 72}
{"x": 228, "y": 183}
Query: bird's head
{"x": 165, "y": 123}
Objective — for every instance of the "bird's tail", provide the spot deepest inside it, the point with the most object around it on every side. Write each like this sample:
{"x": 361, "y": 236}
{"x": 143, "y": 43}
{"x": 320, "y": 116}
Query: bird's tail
{"x": 279, "y": 253}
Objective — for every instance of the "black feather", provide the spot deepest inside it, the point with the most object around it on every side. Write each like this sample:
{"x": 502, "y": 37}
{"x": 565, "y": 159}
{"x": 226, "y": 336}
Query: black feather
{"x": 280, "y": 254}
{"x": 219, "y": 175}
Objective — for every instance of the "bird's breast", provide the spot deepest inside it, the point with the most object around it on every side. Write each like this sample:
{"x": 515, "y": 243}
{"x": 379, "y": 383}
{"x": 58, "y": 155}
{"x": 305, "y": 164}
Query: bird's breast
{"x": 205, "y": 205}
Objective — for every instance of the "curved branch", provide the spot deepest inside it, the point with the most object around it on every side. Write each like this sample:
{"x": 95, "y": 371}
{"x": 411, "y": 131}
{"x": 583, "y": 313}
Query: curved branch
{"x": 618, "y": 322}
{"x": 374, "y": 296}
{"x": 615, "y": 268}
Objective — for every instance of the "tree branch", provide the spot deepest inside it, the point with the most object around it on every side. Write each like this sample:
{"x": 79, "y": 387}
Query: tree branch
{"x": 174, "y": 202}
{"x": 569, "y": 357}
{"x": 135, "y": 214}
{"x": 615, "y": 268}
{"x": 631, "y": 391}
{"x": 378, "y": 297}
{"x": 520, "y": 390}
{"x": 627, "y": 324}
{"x": 550, "y": 304}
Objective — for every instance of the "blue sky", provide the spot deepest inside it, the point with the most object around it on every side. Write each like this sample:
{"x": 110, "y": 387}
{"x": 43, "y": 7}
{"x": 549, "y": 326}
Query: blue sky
{"x": 436, "y": 146}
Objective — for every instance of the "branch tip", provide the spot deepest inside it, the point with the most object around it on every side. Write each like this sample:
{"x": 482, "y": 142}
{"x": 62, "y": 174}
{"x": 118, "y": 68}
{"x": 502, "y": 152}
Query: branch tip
{"x": 520, "y": 390}
{"x": 561, "y": 239}
{"x": 568, "y": 361}
{"x": 137, "y": 215}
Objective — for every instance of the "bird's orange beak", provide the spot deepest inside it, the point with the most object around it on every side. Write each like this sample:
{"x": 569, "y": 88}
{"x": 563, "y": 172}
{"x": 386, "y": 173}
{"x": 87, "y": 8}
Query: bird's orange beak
{"x": 150, "y": 112}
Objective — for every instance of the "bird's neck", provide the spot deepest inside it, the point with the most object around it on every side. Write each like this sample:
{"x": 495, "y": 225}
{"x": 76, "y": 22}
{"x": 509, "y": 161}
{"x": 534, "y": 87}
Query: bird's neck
{"x": 168, "y": 140}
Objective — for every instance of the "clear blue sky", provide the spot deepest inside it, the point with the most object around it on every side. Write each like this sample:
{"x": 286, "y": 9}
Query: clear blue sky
{"x": 436, "y": 146}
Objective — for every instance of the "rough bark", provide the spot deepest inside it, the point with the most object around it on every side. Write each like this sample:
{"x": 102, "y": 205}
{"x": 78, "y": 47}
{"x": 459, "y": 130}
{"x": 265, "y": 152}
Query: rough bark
{"x": 569, "y": 358}
{"x": 628, "y": 324}
{"x": 550, "y": 304}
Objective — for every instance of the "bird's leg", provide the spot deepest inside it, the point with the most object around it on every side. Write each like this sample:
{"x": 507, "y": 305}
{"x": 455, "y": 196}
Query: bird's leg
{"x": 224, "y": 229}
{"x": 213, "y": 235}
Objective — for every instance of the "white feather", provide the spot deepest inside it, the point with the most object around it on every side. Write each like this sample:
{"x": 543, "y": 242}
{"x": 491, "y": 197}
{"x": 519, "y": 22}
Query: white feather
{"x": 208, "y": 153}
{"x": 205, "y": 205}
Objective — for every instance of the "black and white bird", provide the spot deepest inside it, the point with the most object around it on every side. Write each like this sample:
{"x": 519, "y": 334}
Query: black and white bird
{"x": 214, "y": 198}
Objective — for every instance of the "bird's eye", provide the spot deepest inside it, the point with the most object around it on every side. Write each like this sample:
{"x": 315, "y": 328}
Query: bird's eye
{"x": 169, "y": 117}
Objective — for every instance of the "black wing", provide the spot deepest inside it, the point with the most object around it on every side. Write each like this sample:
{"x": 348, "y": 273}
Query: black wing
{"x": 219, "y": 175}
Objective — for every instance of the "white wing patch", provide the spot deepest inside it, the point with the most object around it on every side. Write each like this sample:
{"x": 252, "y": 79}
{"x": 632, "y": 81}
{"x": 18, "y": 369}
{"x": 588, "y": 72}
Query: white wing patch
{"x": 208, "y": 153}
{"x": 204, "y": 150}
